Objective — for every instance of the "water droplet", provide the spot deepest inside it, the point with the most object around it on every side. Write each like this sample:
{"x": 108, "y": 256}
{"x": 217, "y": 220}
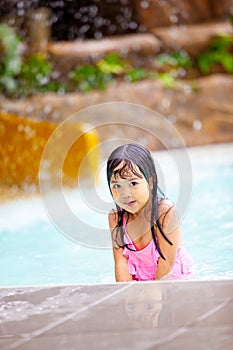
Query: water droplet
{"x": 145, "y": 4}
{"x": 29, "y": 108}
{"x": 133, "y": 25}
{"x": 197, "y": 125}
{"x": 47, "y": 109}
{"x": 84, "y": 19}
{"x": 77, "y": 15}
{"x": 20, "y": 12}
{"x": 43, "y": 80}
{"x": 98, "y": 22}
{"x": 56, "y": 115}
{"x": 98, "y": 35}
{"x": 20, "y": 4}
{"x": 93, "y": 10}
{"x": 172, "y": 118}
{"x": 83, "y": 29}
{"x": 187, "y": 89}
{"x": 181, "y": 72}
{"x": 112, "y": 28}
{"x": 166, "y": 103}
{"x": 142, "y": 28}
{"x": 173, "y": 18}
{"x": 20, "y": 127}
{"x": 55, "y": 74}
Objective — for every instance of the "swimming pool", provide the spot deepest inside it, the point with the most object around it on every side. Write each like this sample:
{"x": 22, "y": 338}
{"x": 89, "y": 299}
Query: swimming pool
{"x": 34, "y": 252}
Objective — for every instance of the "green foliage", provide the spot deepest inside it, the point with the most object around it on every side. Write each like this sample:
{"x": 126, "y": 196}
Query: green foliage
{"x": 175, "y": 59}
{"x": 35, "y": 74}
{"x": 167, "y": 80}
{"x": 10, "y": 60}
{"x": 36, "y": 68}
{"x": 220, "y": 52}
{"x": 231, "y": 19}
{"x": 112, "y": 64}
{"x": 134, "y": 75}
{"x": 97, "y": 76}
{"x": 89, "y": 77}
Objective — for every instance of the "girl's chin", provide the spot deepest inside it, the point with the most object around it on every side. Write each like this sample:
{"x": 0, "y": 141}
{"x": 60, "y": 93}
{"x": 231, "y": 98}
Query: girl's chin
{"x": 130, "y": 209}
{"x": 133, "y": 209}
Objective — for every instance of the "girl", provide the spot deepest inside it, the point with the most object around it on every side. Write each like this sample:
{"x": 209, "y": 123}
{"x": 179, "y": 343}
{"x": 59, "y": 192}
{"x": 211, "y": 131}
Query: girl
{"x": 146, "y": 237}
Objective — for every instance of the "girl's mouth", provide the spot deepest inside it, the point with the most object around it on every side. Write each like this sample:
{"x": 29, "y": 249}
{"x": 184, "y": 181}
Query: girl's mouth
{"x": 131, "y": 203}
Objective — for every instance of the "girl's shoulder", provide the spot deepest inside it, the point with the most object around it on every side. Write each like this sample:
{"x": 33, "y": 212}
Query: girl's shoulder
{"x": 165, "y": 207}
{"x": 167, "y": 212}
{"x": 165, "y": 204}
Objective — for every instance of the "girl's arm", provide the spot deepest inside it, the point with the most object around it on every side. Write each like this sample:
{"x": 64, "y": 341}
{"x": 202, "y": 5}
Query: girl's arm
{"x": 171, "y": 227}
{"x": 121, "y": 263}
{"x": 121, "y": 266}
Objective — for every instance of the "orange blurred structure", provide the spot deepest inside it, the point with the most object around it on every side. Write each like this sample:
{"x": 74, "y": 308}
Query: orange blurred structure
{"x": 23, "y": 141}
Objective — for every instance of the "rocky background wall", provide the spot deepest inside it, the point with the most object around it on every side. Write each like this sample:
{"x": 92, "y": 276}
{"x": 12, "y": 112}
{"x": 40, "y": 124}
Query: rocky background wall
{"x": 74, "y": 33}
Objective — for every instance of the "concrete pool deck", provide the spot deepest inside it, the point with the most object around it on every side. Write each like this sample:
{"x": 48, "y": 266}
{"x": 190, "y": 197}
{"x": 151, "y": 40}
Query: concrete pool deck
{"x": 150, "y": 315}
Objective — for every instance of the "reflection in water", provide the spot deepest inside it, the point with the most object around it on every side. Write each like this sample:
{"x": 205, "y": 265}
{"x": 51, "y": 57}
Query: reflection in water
{"x": 147, "y": 305}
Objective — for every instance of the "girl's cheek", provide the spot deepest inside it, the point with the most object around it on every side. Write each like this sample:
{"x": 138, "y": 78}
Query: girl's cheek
{"x": 115, "y": 194}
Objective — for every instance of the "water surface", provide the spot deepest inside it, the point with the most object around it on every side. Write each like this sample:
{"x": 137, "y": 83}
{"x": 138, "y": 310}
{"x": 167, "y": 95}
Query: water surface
{"x": 35, "y": 252}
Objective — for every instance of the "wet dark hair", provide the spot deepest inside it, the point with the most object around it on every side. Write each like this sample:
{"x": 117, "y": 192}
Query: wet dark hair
{"x": 130, "y": 155}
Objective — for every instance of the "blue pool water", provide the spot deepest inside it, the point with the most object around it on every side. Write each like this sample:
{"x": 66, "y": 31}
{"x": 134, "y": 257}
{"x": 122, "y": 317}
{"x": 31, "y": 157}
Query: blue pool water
{"x": 34, "y": 252}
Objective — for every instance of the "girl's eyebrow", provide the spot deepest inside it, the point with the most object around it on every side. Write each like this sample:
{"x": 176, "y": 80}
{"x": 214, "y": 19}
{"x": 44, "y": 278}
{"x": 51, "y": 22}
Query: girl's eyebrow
{"x": 129, "y": 179}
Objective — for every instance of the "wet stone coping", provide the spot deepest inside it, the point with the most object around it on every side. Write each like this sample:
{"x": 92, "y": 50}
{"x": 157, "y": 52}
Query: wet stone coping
{"x": 139, "y": 315}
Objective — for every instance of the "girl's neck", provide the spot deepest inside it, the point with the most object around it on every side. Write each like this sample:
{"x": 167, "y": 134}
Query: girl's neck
{"x": 139, "y": 226}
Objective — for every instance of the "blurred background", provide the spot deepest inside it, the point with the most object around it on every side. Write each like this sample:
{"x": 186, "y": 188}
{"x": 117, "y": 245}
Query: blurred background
{"x": 59, "y": 57}
{"x": 172, "y": 58}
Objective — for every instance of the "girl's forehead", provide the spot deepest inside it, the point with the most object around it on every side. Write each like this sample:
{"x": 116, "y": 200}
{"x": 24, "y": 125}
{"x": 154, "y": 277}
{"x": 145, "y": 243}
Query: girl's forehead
{"x": 125, "y": 171}
{"x": 125, "y": 166}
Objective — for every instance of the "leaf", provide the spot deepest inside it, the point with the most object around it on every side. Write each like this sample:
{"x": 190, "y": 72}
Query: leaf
{"x": 218, "y": 53}
{"x": 135, "y": 75}
{"x": 175, "y": 59}
{"x": 90, "y": 77}
{"x": 112, "y": 64}
{"x": 10, "y": 63}
{"x": 167, "y": 80}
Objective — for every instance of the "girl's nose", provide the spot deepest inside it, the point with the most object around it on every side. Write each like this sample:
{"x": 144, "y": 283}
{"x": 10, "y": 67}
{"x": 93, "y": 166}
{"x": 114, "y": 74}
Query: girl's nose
{"x": 126, "y": 193}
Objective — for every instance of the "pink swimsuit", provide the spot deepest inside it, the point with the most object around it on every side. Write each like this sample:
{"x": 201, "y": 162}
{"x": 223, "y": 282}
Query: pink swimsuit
{"x": 142, "y": 264}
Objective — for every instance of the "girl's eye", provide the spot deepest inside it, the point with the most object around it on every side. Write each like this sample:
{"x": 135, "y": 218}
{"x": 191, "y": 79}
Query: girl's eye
{"x": 133, "y": 183}
{"x": 116, "y": 186}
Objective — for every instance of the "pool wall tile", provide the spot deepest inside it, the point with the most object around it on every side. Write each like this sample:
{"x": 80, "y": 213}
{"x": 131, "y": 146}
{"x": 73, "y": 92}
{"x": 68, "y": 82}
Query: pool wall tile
{"x": 154, "y": 315}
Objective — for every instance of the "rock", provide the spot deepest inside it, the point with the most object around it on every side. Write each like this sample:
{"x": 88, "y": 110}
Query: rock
{"x": 194, "y": 39}
{"x": 68, "y": 55}
{"x": 222, "y": 9}
{"x": 154, "y": 13}
{"x": 201, "y": 110}
{"x": 37, "y": 27}
{"x": 205, "y": 116}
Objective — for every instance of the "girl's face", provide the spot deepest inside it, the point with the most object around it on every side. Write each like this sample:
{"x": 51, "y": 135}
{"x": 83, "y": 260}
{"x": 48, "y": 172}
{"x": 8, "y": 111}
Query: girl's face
{"x": 131, "y": 192}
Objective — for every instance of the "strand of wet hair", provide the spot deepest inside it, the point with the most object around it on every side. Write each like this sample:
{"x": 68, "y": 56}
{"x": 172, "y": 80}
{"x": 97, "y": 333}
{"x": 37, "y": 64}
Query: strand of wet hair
{"x": 155, "y": 218}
